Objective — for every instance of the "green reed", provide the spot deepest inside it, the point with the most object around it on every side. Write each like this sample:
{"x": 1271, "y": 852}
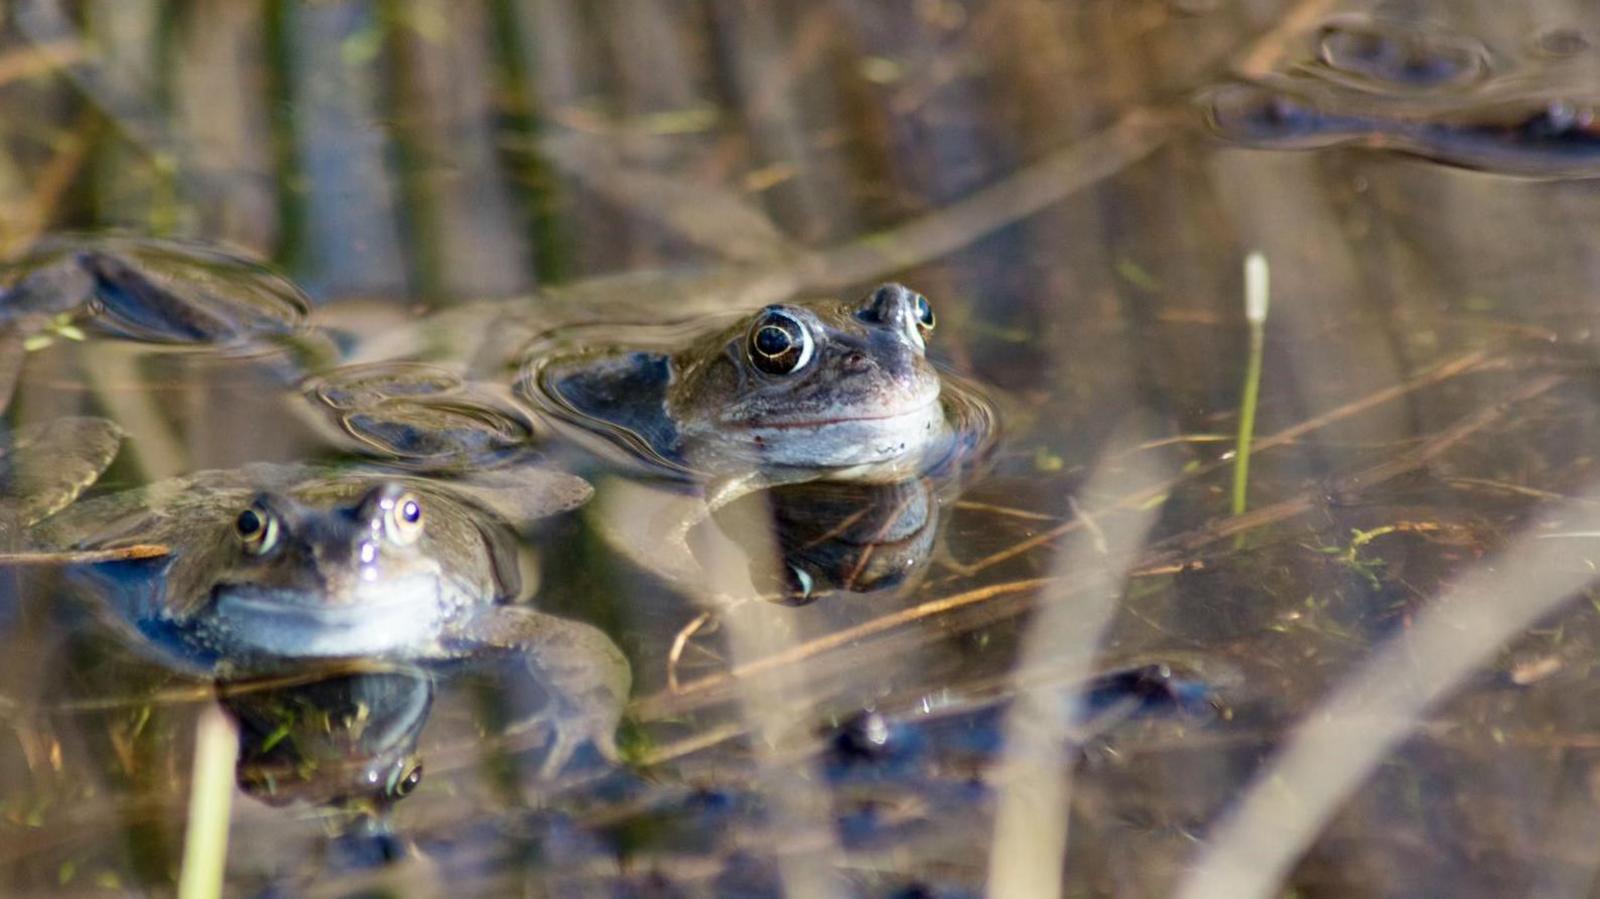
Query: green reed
{"x": 205, "y": 844}
{"x": 1255, "y": 313}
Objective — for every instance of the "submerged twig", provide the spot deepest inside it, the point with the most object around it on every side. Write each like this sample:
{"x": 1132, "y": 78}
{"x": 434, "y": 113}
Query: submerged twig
{"x": 1268, "y": 52}
{"x": 661, "y": 704}
{"x": 1364, "y": 479}
{"x": 1443, "y": 372}
{"x": 1031, "y": 190}
{"x": 1030, "y": 830}
{"x": 86, "y": 556}
{"x": 50, "y": 185}
{"x": 680, "y": 640}
{"x": 1171, "y": 555}
{"x": 1339, "y": 744}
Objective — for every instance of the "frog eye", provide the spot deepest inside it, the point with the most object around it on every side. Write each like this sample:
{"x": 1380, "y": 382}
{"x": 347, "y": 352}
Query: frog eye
{"x": 779, "y": 343}
{"x": 403, "y": 519}
{"x": 257, "y": 528}
{"x": 924, "y": 311}
{"x": 401, "y": 787}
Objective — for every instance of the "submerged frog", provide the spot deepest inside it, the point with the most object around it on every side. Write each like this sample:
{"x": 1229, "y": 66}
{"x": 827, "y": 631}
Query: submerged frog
{"x": 795, "y": 391}
{"x": 345, "y": 741}
{"x": 845, "y": 536}
{"x": 271, "y": 568}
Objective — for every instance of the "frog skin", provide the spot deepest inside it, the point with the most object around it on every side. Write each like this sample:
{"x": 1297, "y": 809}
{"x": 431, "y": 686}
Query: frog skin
{"x": 795, "y": 392}
{"x": 44, "y": 466}
{"x": 273, "y": 568}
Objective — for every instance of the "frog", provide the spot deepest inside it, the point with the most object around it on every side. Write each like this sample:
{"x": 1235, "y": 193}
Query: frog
{"x": 795, "y": 391}
{"x": 813, "y": 391}
{"x": 1540, "y": 137}
{"x": 275, "y": 568}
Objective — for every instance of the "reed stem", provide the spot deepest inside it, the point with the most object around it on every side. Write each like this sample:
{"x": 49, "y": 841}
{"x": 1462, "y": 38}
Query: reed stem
{"x": 1255, "y": 313}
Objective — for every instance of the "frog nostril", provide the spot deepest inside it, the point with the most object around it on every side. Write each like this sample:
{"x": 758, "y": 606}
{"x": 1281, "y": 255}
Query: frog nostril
{"x": 887, "y": 305}
{"x": 855, "y": 360}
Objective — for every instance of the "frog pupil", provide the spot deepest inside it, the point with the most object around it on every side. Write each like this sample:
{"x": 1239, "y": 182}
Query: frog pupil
{"x": 411, "y": 512}
{"x": 924, "y": 311}
{"x": 249, "y": 523}
{"x": 409, "y": 782}
{"x": 772, "y": 341}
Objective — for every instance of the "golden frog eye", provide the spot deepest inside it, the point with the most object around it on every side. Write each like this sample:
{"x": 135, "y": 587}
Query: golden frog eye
{"x": 779, "y": 343}
{"x": 403, "y": 521}
{"x": 401, "y": 787}
{"x": 257, "y": 529}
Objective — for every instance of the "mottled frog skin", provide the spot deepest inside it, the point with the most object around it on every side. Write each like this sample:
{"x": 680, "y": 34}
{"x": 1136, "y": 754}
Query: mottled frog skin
{"x": 822, "y": 388}
{"x": 273, "y": 567}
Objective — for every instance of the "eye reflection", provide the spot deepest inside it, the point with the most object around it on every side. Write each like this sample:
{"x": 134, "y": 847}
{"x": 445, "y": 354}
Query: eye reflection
{"x": 925, "y": 319}
{"x": 779, "y": 344}
{"x": 404, "y": 519}
{"x": 257, "y": 529}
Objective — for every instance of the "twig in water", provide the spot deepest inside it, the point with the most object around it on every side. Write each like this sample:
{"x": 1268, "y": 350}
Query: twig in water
{"x": 1460, "y": 365}
{"x": 1014, "y": 596}
{"x": 1035, "y": 787}
{"x": 86, "y": 556}
{"x": 1340, "y": 744}
{"x": 1267, "y": 54}
{"x": 679, "y": 642}
{"x": 1031, "y": 190}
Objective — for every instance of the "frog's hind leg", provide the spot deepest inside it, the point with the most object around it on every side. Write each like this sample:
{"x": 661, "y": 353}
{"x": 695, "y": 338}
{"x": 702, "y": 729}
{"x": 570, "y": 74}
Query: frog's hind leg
{"x": 587, "y": 675}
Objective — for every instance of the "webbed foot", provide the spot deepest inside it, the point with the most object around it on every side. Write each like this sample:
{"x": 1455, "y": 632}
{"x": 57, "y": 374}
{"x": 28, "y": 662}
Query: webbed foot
{"x": 587, "y": 675}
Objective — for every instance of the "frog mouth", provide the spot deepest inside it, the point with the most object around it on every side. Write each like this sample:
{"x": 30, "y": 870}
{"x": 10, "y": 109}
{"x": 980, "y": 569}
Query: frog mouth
{"x": 912, "y": 412}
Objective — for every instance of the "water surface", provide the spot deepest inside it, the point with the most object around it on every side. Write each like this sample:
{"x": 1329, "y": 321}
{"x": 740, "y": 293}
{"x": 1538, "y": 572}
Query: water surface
{"x": 1075, "y": 187}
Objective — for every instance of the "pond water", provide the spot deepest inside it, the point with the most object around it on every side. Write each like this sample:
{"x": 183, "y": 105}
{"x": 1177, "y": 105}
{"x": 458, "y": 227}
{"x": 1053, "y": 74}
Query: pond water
{"x": 1047, "y": 635}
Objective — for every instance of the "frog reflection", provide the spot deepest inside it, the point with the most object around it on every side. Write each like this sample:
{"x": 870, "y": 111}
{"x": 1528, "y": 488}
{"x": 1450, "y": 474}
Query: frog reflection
{"x": 346, "y": 740}
{"x": 847, "y": 535}
{"x": 273, "y": 568}
{"x": 795, "y": 391}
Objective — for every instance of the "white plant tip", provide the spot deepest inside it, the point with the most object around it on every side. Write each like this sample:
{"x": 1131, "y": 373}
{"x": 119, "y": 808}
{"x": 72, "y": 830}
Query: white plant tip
{"x": 1256, "y": 286}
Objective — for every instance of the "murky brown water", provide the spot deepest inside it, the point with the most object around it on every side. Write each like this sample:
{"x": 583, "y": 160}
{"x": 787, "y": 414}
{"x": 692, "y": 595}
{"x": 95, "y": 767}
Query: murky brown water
{"x": 1075, "y": 188}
